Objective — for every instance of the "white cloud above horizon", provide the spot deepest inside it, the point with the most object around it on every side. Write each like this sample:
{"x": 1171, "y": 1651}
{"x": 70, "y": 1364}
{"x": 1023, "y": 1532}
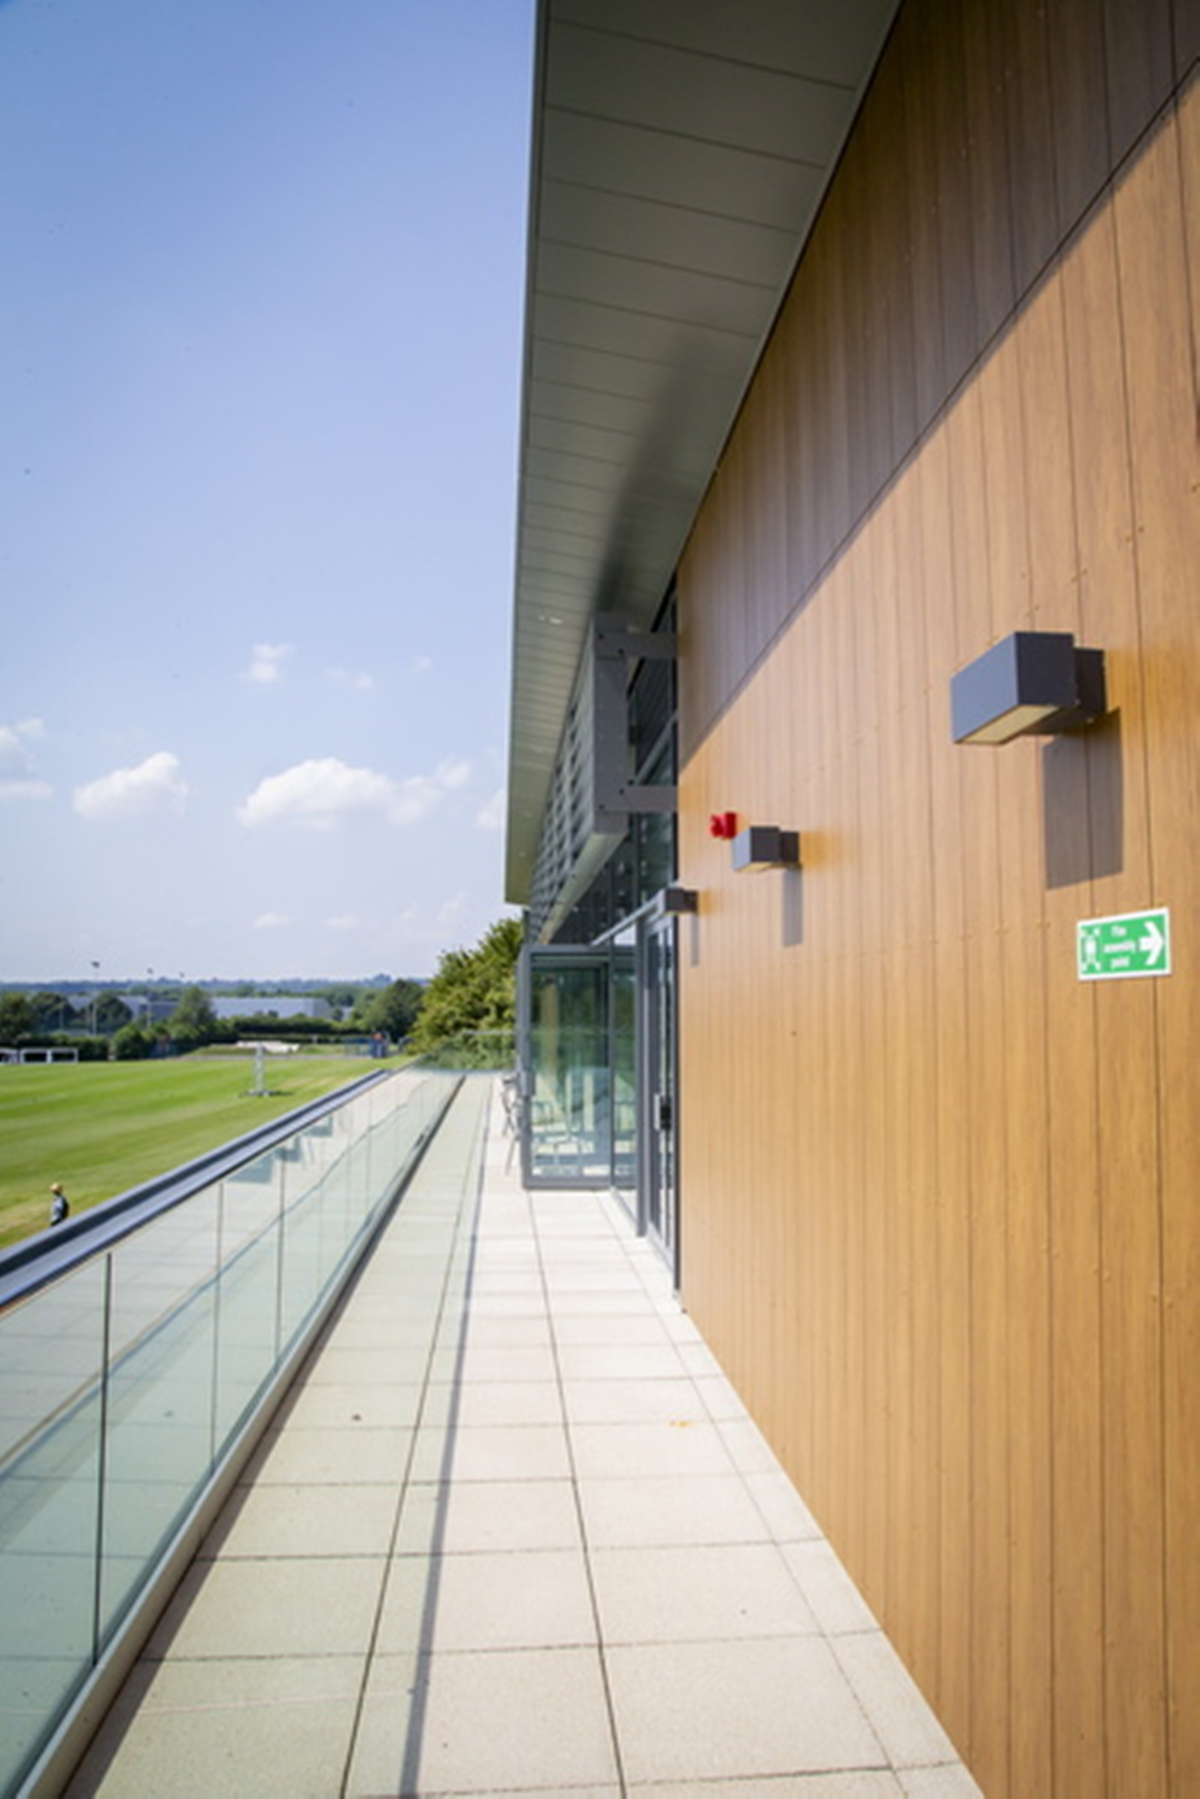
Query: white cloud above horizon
{"x": 19, "y": 779}
{"x": 266, "y": 663}
{"x": 153, "y": 787}
{"x": 271, "y": 921}
{"x": 238, "y": 535}
{"x": 355, "y": 678}
{"x": 491, "y": 816}
{"x": 320, "y": 791}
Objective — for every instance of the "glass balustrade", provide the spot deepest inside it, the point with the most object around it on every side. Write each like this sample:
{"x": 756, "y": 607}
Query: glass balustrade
{"x": 127, "y": 1382}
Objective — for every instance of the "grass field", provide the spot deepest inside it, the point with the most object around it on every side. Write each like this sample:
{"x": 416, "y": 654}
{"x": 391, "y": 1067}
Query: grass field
{"x": 102, "y": 1127}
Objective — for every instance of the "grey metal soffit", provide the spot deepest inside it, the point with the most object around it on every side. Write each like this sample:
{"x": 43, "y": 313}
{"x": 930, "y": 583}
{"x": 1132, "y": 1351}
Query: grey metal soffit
{"x": 681, "y": 149}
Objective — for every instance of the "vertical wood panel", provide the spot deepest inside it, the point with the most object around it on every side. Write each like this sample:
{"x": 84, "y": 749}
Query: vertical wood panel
{"x": 1053, "y": 602}
{"x": 913, "y": 1599}
{"x": 1036, "y": 225}
{"x": 1186, "y": 15}
{"x": 913, "y": 41}
{"x": 978, "y": 838}
{"x": 1079, "y": 85}
{"x": 875, "y": 1120}
{"x": 953, "y": 1258}
{"x": 1139, "y": 61}
{"x": 986, "y": 55}
{"x": 1165, "y": 467}
{"x": 1130, "y": 1360}
{"x": 1024, "y": 1348}
{"x": 954, "y": 198}
{"x": 950, "y": 1248}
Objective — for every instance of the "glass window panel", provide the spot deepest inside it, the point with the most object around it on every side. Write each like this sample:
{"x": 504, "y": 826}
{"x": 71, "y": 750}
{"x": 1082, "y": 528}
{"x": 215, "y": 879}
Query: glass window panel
{"x": 624, "y": 1045}
{"x": 572, "y": 1062}
{"x": 51, "y": 1361}
{"x": 248, "y": 1299}
{"x": 159, "y": 1426}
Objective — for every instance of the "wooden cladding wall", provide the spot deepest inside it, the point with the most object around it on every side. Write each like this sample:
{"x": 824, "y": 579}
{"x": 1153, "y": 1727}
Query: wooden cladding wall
{"x": 941, "y": 1214}
{"x": 991, "y": 128}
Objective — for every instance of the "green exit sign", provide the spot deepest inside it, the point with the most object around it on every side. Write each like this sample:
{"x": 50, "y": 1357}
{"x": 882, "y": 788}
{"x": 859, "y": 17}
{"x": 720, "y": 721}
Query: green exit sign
{"x": 1115, "y": 949}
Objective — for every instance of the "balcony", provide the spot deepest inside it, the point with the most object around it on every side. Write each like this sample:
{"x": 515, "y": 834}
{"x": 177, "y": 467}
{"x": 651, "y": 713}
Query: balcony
{"x": 510, "y": 1530}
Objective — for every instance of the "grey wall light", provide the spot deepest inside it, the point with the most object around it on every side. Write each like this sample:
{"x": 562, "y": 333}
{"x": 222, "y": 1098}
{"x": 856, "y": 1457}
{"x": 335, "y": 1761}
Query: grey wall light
{"x": 1033, "y": 682}
{"x": 765, "y": 846}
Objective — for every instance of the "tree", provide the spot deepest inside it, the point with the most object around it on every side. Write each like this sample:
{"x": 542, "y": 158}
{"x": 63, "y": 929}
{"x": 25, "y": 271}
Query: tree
{"x": 51, "y": 1012}
{"x": 473, "y": 990}
{"x": 16, "y": 1018}
{"x": 394, "y": 1011}
{"x": 111, "y": 1013}
{"x": 340, "y": 996}
{"x": 194, "y": 1019}
{"x": 133, "y": 1043}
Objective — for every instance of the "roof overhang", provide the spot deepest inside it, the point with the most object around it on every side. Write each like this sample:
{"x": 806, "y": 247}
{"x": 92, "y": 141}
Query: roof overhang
{"x": 681, "y": 149}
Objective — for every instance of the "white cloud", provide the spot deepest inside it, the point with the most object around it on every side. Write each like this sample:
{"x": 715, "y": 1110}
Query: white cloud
{"x": 421, "y": 665}
{"x": 454, "y": 773}
{"x": 29, "y": 788}
{"x": 19, "y": 778}
{"x": 491, "y": 816}
{"x": 357, "y": 679}
{"x": 271, "y": 921}
{"x": 154, "y": 786}
{"x": 347, "y": 922}
{"x": 319, "y": 792}
{"x": 266, "y": 663}
{"x": 452, "y": 909}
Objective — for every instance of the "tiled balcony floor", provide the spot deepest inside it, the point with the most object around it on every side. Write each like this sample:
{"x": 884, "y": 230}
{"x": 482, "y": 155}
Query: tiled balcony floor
{"x": 512, "y": 1532}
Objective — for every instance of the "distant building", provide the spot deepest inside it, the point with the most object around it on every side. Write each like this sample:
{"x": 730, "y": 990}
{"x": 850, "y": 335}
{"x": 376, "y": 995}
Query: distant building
{"x": 270, "y": 1005}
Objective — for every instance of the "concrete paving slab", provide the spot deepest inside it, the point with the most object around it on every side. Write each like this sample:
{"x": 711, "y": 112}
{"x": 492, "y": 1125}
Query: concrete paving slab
{"x": 486, "y": 1723}
{"x": 775, "y": 1706}
{"x": 507, "y": 1599}
{"x": 891, "y": 1700}
{"x": 283, "y": 1608}
{"x": 640, "y": 1511}
{"x": 509, "y": 1402}
{"x": 620, "y": 1327}
{"x": 859, "y": 1783}
{"x": 332, "y": 1405}
{"x": 517, "y": 1534}
{"x": 471, "y": 1515}
{"x": 270, "y": 1521}
{"x": 278, "y": 1729}
{"x": 620, "y": 1361}
{"x": 357, "y": 1455}
{"x": 491, "y": 1452}
{"x": 649, "y": 1401}
{"x": 832, "y": 1596}
{"x": 705, "y": 1594}
{"x": 680, "y": 1447}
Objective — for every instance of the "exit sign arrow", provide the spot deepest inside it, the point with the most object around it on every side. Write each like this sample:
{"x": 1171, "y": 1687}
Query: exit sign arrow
{"x": 1122, "y": 947}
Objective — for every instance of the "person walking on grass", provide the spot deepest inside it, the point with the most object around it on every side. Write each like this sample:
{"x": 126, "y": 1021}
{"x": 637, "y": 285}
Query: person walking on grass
{"x": 59, "y": 1205}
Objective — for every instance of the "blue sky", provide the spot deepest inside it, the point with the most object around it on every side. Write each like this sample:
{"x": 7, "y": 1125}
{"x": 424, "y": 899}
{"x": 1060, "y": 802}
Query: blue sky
{"x": 260, "y": 352}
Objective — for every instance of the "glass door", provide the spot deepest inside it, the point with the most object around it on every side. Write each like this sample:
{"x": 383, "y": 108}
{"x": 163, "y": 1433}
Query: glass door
{"x": 576, "y": 1066}
{"x": 658, "y": 1085}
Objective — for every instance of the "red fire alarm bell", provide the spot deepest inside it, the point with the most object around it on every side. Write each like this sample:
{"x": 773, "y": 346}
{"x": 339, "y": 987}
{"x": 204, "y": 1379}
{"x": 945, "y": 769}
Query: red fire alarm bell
{"x": 723, "y": 824}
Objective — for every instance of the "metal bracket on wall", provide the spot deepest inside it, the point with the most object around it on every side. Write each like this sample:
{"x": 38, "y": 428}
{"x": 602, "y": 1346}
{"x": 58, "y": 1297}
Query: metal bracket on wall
{"x": 614, "y": 647}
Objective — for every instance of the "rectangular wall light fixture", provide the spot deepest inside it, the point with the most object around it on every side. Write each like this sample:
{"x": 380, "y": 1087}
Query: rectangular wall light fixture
{"x": 765, "y": 846}
{"x": 1034, "y": 682}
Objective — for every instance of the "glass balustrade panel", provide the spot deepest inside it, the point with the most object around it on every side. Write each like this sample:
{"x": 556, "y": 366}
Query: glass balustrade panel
{"x": 51, "y": 1366}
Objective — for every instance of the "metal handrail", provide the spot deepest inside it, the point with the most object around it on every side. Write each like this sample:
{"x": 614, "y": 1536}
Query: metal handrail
{"x": 48, "y": 1255}
{"x": 90, "y": 1418}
